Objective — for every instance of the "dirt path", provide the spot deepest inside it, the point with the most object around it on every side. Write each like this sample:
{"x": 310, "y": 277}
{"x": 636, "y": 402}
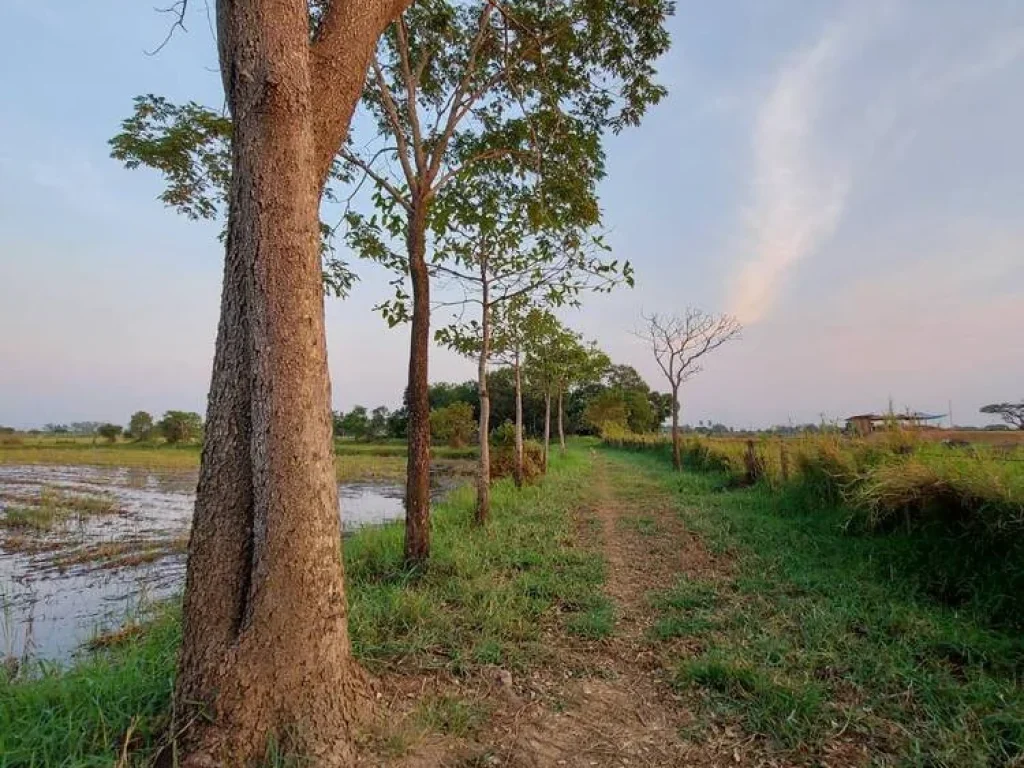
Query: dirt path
{"x": 626, "y": 714}
{"x": 599, "y": 702}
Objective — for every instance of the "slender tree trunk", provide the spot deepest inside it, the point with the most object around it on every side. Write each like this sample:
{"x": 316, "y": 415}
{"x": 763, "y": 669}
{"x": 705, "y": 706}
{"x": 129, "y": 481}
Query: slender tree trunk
{"x": 417, "y": 487}
{"x": 483, "y": 481}
{"x": 518, "y": 467}
{"x": 265, "y": 649}
{"x": 561, "y": 422}
{"x": 547, "y": 429}
{"x": 677, "y": 461}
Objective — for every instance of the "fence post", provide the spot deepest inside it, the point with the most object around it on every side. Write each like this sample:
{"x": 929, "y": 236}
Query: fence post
{"x": 784, "y": 460}
{"x": 754, "y": 466}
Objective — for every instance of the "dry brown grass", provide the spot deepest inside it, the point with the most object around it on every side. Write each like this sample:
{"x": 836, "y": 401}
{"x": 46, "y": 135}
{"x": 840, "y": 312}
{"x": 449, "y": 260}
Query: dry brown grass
{"x": 117, "y": 638}
{"x": 122, "y": 554}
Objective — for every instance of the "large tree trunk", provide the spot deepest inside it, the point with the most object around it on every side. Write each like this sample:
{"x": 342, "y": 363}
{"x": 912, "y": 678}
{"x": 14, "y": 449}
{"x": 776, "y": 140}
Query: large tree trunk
{"x": 517, "y": 471}
{"x": 677, "y": 461}
{"x": 417, "y": 485}
{"x": 483, "y": 480}
{"x": 561, "y": 422}
{"x": 547, "y": 429}
{"x": 265, "y": 651}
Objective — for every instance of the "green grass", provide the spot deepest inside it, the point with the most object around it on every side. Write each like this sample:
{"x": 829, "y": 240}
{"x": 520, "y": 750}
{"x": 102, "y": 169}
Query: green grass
{"x": 79, "y": 717}
{"x": 450, "y": 714}
{"x": 596, "y": 620}
{"x": 400, "y": 448}
{"x": 813, "y": 632}
{"x": 485, "y": 591}
{"x": 484, "y": 599}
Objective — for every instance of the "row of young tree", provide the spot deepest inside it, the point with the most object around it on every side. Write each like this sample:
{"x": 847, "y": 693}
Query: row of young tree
{"x": 174, "y": 427}
{"x": 483, "y": 155}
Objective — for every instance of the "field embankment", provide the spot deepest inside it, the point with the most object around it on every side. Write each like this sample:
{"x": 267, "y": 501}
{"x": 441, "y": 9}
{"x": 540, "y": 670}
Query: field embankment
{"x": 484, "y": 604}
{"x": 615, "y": 613}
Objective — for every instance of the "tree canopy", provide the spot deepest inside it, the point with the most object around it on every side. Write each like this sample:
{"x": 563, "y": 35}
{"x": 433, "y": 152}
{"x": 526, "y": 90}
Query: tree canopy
{"x": 1011, "y": 413}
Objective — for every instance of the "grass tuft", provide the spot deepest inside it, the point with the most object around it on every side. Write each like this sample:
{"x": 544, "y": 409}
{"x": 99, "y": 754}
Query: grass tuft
{"x": 450, "y": 715}
{"x": 595, "y": 621}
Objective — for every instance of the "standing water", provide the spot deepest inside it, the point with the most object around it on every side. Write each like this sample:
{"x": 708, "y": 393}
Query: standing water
{"x": 83, "y": 549}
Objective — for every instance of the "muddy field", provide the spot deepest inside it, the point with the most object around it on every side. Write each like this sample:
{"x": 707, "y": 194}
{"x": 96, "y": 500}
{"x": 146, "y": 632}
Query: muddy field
{"x": 85, "y": 549}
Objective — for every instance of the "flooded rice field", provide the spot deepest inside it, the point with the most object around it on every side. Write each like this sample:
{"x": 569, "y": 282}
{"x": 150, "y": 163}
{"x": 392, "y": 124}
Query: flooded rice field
{"x": 84, "y": 549}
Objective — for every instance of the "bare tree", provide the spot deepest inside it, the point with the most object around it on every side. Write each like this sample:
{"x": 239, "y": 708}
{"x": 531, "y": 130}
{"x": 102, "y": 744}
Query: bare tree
{"x": 1011, "y": 413}
{"x": 678, "y": 343}
{"x": 265, "y": 649}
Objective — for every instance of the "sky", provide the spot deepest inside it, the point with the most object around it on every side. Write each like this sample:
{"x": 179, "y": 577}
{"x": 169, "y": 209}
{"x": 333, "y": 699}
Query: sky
{"x": 847, "y": 178}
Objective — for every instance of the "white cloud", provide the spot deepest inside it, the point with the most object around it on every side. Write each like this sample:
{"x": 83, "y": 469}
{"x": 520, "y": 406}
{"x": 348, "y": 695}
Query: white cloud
{"x": 803, "y": 166}
{"x": 798, "y": 198}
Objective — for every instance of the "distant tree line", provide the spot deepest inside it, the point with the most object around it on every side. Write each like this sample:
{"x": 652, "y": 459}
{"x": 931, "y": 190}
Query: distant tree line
{"x": 620, "y": 397}
{"x": 175, "y": 427}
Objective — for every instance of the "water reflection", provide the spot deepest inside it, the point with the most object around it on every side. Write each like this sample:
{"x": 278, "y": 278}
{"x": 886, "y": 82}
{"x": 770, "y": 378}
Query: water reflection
{"x": 60, "y": 587}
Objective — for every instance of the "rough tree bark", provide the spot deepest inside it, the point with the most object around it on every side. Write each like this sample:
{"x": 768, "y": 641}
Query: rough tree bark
{"x": 517, "y": 472}
{"x": 547, "y": 430}
{"x": 417, "y": 484}
{"x": 561, "y": 422}
{"x": 677, "y": 460}
{"x": 483, "y": 480}
{"x": 265, "y": 649}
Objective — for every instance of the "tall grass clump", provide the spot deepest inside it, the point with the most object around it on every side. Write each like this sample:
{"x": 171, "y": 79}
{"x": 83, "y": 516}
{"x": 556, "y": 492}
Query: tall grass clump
{"x": 966, "y": 519}
{"x": 84, "y": 716}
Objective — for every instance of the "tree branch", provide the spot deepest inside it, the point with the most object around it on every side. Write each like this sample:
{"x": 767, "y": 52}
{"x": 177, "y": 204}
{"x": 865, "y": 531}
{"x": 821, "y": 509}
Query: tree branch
{"x": 391, "y": 189}
{"x": 340, "y": 55}
{"x": 411, "y": 82}
{"x": 391, "y": 108}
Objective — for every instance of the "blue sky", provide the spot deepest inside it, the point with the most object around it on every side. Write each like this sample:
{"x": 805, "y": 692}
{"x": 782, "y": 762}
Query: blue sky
{"x": 848, "y": 178}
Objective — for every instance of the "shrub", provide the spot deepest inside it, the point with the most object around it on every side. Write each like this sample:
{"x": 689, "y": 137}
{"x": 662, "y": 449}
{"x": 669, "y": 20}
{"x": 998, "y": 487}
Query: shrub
{"x": 503, "y": 461}
{"x": 181, "y": 426}
{"x": 504, "y": 434}
{"x": 109, "y": 432}
{"x": 964, "y": 524}
{"x": 453, "y": 424}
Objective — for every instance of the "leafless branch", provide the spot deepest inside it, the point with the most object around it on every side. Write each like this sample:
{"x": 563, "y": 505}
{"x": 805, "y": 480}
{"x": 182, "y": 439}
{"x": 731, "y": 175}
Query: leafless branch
{"x": 679, "y": 342}
{"x": 396, "y": 124}
{"x": 178, "y": 8}
{"x": 411, "y": 82}
{"x": 453, "y": 114}
{"x": 367, "y": 168}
